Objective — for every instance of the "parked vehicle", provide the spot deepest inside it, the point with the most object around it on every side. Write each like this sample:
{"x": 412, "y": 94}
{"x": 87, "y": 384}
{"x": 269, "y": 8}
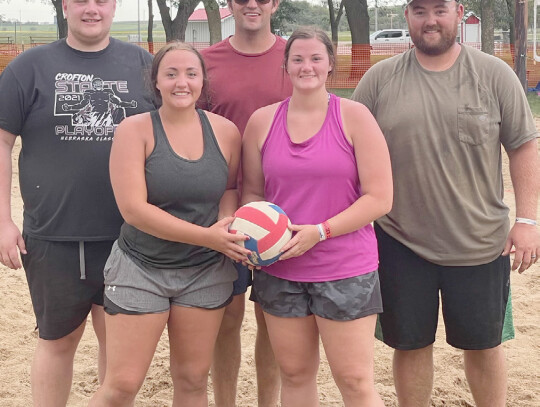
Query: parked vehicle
{"x": 391, "y": 41}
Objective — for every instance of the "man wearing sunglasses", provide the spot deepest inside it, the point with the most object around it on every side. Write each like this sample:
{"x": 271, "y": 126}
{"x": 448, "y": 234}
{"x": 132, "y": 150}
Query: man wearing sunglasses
{"x": 253, "y": 55}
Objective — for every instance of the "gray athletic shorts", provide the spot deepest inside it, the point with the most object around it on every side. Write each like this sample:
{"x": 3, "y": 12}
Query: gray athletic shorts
{"x": 339, "y": 300}
{"x": 137, "y": 288}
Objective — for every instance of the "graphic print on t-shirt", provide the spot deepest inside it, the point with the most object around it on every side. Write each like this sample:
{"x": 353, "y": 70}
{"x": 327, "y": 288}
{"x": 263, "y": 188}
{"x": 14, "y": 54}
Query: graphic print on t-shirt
{"x": 94, "y": 105}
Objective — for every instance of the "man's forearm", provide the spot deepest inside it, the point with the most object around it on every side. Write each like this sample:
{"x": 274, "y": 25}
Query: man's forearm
{"x": 525, "y": 174}
{"x": 7, "y": 141}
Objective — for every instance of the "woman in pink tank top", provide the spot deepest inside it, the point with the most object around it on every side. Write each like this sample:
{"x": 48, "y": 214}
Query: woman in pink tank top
{"x": 324, "y": 161}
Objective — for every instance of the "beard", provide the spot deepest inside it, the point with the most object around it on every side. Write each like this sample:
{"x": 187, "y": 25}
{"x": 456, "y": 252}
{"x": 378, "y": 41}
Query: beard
{"x": 448, "y": 38}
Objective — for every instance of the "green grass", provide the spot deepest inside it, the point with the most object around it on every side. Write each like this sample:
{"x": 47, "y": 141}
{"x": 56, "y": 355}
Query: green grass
{"x": 342, "y": 93}
{"x": 120, "y": 30}
{"x": 534, "y": 103}
{"x": 344, "y": 36}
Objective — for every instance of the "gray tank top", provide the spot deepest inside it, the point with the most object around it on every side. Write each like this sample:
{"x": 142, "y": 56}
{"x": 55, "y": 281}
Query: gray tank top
{"x": 188, "y": 189}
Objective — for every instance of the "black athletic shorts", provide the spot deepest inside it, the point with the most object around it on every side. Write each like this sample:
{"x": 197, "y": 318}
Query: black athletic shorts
{"x": 244, "y": 279}
{"x": 476, "y": 301}
{"x": 60, "y": 297}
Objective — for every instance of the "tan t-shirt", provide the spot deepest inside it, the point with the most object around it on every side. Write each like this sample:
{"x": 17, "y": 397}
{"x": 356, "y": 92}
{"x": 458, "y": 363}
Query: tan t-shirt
{"x": 444, "y": 131}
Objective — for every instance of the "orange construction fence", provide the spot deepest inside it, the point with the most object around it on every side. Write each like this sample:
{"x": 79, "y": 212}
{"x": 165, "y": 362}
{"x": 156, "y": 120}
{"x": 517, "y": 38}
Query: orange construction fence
{"x": 352, "y": 61}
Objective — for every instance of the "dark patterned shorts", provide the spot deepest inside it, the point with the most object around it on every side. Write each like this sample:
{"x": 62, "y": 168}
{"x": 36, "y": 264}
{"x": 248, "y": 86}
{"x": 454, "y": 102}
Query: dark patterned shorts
{"x": 339, "y": 300}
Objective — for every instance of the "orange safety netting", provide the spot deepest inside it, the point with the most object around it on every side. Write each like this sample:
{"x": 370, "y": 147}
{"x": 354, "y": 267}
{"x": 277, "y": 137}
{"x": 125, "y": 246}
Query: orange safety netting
{"x": 352, "y": 60}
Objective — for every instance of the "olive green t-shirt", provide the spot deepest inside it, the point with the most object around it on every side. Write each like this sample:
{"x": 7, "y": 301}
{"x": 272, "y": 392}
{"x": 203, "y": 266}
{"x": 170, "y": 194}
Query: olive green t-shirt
{"x": 444, "y": 131}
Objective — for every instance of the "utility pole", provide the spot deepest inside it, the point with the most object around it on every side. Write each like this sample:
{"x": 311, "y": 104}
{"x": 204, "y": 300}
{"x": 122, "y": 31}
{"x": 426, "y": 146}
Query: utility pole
{"x": 138, "y": 21}
{"x": 391, "y": 15}
{"x": 520, "y": 61}
{"x": 376, "y": 15}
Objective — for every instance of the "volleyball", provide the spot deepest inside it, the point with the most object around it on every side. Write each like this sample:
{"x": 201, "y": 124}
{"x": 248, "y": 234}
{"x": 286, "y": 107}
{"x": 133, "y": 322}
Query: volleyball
{"x": 266, "y": 224}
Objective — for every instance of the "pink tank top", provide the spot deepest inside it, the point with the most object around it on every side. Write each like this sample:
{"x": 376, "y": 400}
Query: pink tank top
{"x": 313, "y": 181}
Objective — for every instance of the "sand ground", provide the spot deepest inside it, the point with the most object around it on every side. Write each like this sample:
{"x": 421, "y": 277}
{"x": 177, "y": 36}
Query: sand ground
{"x": 18, "y": 340}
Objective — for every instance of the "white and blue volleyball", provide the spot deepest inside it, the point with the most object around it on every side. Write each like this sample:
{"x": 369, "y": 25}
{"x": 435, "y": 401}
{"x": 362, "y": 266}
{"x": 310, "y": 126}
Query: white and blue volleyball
{"x": 267, "y": 226}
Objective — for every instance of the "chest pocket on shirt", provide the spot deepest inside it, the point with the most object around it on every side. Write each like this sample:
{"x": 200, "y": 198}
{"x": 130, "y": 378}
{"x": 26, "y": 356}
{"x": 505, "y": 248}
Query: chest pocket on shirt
{"x": 473, "y": 125}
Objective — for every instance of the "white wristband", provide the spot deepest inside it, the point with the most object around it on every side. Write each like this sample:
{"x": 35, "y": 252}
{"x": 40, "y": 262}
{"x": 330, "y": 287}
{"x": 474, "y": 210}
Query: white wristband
{"x": 526, "y": 221}
{"x": 322, "y": 235}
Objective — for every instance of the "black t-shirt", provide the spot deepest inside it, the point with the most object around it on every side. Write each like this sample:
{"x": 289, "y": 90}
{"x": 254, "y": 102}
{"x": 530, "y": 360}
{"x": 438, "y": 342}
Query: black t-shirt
{"x": 65, "y": 104}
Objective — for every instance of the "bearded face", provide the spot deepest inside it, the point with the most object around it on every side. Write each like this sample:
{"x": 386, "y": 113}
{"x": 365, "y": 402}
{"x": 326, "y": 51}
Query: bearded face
{"x": 433, "y": 25}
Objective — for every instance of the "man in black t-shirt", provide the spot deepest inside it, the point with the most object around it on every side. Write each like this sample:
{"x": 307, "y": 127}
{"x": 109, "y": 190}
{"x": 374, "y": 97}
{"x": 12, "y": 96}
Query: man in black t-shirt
{"x": 64, "y": 100}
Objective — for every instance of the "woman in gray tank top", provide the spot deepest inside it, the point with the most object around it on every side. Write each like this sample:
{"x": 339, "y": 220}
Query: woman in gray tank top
{"x": 173, "y": 173}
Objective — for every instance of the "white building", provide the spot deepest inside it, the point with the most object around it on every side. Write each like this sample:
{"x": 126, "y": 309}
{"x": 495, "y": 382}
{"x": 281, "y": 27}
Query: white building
{"x": 470, "y": 30}
{"x": 197, "y": 28}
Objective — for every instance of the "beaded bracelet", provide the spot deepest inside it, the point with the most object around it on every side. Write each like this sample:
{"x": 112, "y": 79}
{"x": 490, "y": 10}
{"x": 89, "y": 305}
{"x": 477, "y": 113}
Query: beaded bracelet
{"x": 327, "y": 231}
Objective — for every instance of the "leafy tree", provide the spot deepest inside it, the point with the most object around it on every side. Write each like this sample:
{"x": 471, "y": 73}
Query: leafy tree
{"x": 499, "y": 7}
{"x": 286, "y": 13}
{"x": 335, "y": 13}
{"x": 214, "y": 20}
{"x": 175, "y": 29}
{"x": 307, "y": 14}
{"x": 388, "y": 16}
{"x": 504, "y": 11}
{"x": 150, "y": 37}
{"x": 520, "y": 61}
{"x": 358, "y": 18}
{"x": 511, "y": 8}
{"x": 61, "y": 21}
{"x": 488, "y": 25}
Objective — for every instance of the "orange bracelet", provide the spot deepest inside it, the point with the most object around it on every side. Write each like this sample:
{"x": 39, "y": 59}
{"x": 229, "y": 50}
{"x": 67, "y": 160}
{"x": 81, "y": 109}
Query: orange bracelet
{"x": 327, "y": 231}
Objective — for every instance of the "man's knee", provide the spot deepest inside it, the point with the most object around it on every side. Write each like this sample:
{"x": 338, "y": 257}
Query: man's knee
{"x": 66, "y": 345}
{"x": 414, "y": 354}
{"x": 482, "y": 357}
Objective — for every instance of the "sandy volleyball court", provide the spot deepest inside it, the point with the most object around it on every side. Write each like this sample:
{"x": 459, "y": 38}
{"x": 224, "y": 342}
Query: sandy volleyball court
{"x": 18, "y": 339}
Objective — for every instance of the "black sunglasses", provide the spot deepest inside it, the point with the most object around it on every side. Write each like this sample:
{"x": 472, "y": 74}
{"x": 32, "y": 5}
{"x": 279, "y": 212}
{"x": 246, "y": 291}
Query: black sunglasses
{"x": 244, "y": 2}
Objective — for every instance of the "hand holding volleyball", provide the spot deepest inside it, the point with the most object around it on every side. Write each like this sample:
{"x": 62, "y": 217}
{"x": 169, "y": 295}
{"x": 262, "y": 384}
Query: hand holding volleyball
{"x": 305, "y": 237}
{"x": 221, "y": 240}
{"x": 267, "y": 227}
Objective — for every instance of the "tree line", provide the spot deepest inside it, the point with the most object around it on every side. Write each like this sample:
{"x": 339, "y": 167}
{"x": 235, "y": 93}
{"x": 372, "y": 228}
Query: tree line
{"x": 332, "y": 15}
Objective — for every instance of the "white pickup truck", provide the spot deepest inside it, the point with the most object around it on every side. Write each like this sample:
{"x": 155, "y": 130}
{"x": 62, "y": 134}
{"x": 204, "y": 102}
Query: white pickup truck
{"x": 390, "y": 41}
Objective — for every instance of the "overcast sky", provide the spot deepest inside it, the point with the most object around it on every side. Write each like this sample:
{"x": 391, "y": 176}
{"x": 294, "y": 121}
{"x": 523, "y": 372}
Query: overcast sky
{"x": 126, "y": 10}
{"x": 36, "y": 10}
